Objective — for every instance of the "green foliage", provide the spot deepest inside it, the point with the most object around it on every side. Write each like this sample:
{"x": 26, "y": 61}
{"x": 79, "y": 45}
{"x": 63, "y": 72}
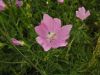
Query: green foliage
{"x": 80, "y": 57}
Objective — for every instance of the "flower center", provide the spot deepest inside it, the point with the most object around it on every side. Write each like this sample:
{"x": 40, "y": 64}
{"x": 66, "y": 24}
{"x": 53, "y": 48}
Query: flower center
{"x": 51, "y": 36}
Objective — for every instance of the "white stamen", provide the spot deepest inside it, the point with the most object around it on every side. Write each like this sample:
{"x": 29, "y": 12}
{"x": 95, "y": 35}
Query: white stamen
{"x": 51, "y": 36}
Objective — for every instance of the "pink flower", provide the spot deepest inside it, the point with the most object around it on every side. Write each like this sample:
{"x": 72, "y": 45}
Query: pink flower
{"x": 51, "y": 34}
{"x": 60, "y": 1}
{"x": 82, "y": 13}
{"x": 19, "y": 3}
{"x": 2, "y": 5}
{"x": 17, "y": 42}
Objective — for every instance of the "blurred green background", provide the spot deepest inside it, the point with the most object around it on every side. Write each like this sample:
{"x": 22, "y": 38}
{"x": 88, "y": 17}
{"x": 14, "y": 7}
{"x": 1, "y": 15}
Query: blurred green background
{"x": 80, "y": 57}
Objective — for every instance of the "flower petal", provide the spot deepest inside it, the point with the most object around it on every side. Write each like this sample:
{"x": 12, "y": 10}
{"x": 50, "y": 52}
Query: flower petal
{"x": 87, "y": 13}
{"x": 48, "y": 21}
{"x": 58, "y": 22}
{"x": 41, "y": 30}
{"x": 77, "y": 14}
{"x": 19, "y": 3}
{"x": 58, "y": 43}
{"x": 64, "y": 33}
{"x": 60, "y": 1}
{"x": 52, "y": 24}
{"x": 44, "y": 43}
{"x": 82, "y": 10}
{"x": 2, "y": 5}
{"x": 61, "y": 37}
